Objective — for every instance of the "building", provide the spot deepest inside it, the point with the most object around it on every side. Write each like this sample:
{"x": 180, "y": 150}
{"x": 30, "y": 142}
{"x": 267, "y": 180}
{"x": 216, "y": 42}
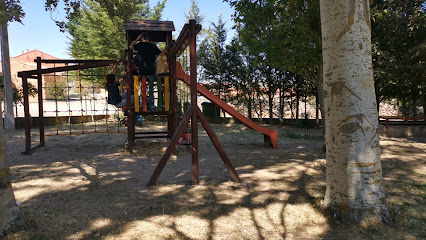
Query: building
{"x": 25, "y": 62}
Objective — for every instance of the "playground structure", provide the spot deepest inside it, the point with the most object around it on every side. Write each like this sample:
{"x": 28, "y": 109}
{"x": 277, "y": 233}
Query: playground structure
{"x": 156, "y": 95}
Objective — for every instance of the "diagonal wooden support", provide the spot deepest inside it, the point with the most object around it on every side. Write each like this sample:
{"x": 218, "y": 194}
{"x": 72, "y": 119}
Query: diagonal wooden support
{"x": 218, "y": 146}
{"x": 172, "y": 145}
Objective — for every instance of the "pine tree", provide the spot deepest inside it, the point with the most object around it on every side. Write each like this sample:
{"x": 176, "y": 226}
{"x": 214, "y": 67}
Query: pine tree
{"x": 98, "y": 32}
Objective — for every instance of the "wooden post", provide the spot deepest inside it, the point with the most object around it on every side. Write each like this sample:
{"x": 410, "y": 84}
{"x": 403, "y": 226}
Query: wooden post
{"x": 173, "y": 94}
{"x": 194, "y": 118}
{"x": 27, "y": 122}
{"x": 170, "y": 148}
{"x": 40, "y": 103}
{"x": 129, "y": 88}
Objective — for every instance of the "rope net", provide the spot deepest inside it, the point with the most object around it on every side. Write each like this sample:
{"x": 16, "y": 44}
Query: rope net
{"x": 75, "y": 102}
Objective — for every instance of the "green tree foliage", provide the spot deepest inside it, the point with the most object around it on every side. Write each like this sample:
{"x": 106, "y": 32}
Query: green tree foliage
{"x": 399, "y": 44}
{"x": 241, "y": 74}
{"x": 286, "y": 37}
{"x": 18, "y": 93}
{"x": 287, "y": 33}
{"x": 11, "y": 11}
{"x": 212, "y": 54}
{"x": 195, "y": 13}
{"x": 98, "y": 31}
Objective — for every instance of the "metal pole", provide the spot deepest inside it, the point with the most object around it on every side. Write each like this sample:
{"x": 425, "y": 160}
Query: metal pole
{"x": 9, "y": 119}
{"x": 194, "y": 118}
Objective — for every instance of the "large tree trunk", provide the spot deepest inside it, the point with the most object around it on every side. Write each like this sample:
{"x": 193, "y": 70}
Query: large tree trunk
{"x": 354, "y": 188}
{"x": 10, "y": 217}
{"x": 320, "y": 90}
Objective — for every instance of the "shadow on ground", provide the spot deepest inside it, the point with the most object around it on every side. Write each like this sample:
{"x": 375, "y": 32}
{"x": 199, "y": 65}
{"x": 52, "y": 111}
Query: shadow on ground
{"x": 88, "y": 187}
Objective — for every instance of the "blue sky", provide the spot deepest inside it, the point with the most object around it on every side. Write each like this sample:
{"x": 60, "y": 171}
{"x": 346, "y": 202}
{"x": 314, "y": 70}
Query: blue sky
{"x": 39, "y": 31}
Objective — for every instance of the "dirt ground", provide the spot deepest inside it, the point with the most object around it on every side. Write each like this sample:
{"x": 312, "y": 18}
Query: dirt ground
{"x": 89, "y": 187}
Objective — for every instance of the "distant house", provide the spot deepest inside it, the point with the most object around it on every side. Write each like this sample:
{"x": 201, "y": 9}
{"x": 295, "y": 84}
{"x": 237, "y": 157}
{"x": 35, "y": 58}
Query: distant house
{"x": 25, "y": 62}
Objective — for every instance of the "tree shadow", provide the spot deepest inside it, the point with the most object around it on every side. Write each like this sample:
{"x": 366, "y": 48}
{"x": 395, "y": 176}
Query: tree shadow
{"x": 99, "y": 192}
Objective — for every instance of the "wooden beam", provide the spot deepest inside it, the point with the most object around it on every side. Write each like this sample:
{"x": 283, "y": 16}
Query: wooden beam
{"x": 66, "y": 68}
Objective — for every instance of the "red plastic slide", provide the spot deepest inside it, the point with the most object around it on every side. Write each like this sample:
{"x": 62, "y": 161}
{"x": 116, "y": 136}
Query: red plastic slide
{"x": 270, "y": 136}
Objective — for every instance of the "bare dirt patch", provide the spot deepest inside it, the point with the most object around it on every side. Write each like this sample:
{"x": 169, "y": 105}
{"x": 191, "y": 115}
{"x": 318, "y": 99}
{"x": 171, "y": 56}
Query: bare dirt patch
{"x": 89, "y": 187}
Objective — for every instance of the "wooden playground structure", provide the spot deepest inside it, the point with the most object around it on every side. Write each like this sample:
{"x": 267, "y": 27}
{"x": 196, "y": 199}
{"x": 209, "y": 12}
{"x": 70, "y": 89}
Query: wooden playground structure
{"x": 154, "y": 95}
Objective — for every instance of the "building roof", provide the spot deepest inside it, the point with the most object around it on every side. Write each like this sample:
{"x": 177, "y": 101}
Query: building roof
{"x": 29, "y": 56}
{"x": 157, "y": 30}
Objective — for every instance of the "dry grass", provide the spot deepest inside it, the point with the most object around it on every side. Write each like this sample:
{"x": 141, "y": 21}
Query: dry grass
{"x": 88, "y": 187}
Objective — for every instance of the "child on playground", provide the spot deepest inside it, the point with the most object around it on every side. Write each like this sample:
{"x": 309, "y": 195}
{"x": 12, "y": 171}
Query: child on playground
{"x": 147, "y": 53}
{"x": 114, "y": 96}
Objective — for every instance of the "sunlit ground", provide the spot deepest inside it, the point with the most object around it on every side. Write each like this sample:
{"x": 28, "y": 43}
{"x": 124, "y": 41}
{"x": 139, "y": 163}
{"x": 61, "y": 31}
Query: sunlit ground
{"x": 89, "y": 187}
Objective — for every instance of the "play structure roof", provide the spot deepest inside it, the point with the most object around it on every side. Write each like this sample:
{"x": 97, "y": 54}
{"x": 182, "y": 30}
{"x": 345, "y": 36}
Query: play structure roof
{"x": 157, "y": 30}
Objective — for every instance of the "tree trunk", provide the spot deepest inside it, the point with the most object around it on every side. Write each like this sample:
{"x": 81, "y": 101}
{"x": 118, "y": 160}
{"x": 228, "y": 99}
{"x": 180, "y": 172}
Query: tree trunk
{"x": 317, "y": 109}
{"x": 297, "y": 106}
{"x": 424, "y": 104}
{"x": 271, "y": 105}
{"x": 306, "y": 116}
{"x": 414, "y": 103}
{"x": 9, "y": 119}
{"x": 10, "y": 216}
{"x": 354, "y": 188}
{"x": 281, "y": 107}
{"x": 250, "y": 101}
{"x": 320, "y": 90}
{"x": 260, "y": 115}
{"x": 404, "y": 107}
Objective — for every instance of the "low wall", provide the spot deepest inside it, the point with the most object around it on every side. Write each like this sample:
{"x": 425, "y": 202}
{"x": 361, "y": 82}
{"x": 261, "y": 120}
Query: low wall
{"x": 402, "y": 131}
{"x": 51, "y": 121}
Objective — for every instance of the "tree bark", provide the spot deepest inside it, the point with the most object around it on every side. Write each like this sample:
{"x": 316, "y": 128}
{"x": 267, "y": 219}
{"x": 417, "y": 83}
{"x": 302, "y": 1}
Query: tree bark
{"x": 271, "y": 105}
{"x": 424, "y": 103}
{"x": 297, "y": 105}
{"x": 354, "y": 188}
{"x": 414, "y": 97}
{"x": 10, "y": 216}
{"x": 404, "y": 107}
{"x": 9, "y": 119}
{"x": 281, "y": 107}
{"x": 260, "y": 115}
{"x": 317, "y": 109}
{"x": 250, "y": 106}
